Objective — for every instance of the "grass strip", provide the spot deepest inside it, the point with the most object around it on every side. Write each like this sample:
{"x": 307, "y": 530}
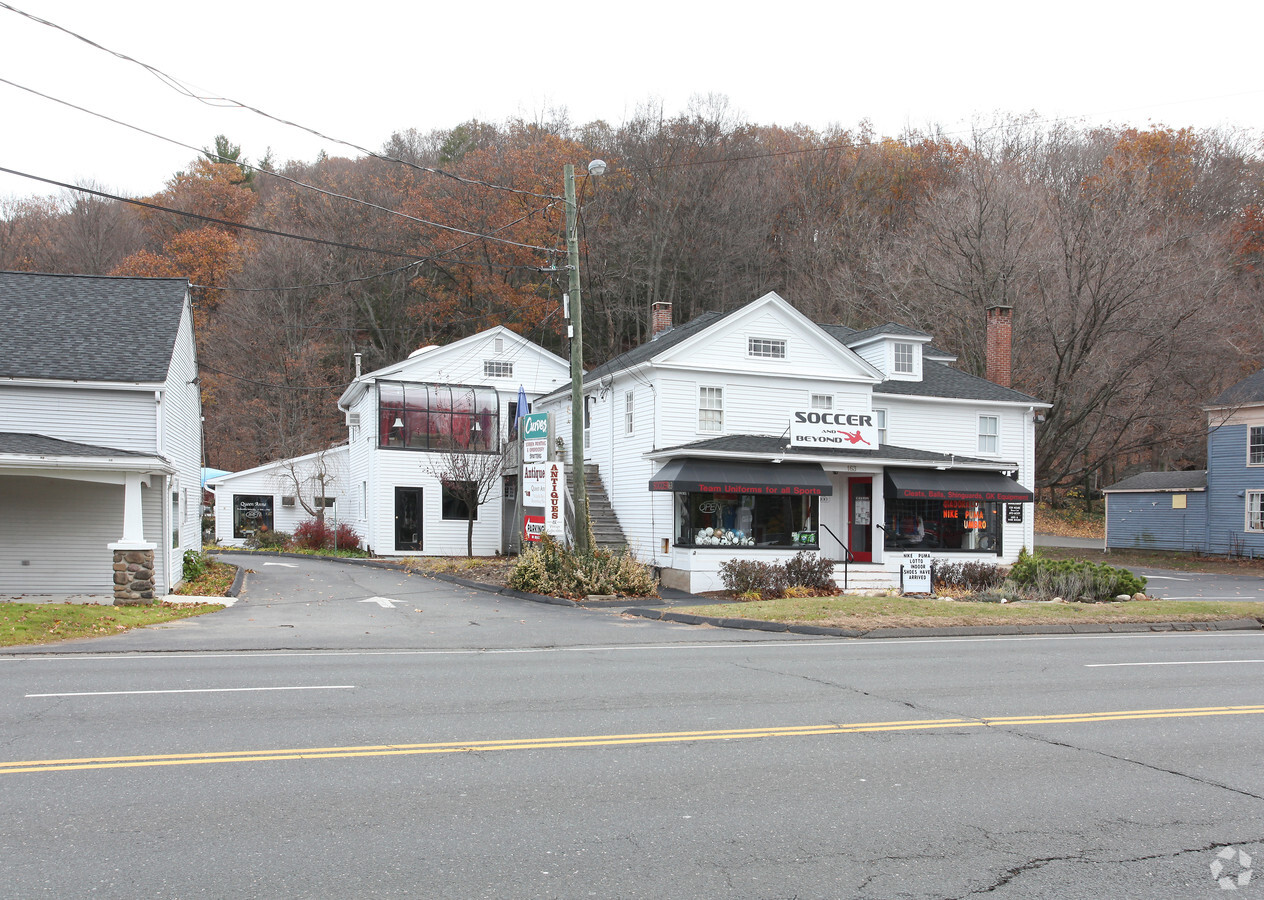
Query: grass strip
{"x": 48, "y": 623}
{"x": 869, "y": 612}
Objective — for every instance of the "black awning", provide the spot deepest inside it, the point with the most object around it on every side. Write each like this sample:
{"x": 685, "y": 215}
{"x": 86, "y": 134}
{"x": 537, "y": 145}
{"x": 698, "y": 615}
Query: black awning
{"x": 954, "y": 484}
{"x": 717, "y": 476}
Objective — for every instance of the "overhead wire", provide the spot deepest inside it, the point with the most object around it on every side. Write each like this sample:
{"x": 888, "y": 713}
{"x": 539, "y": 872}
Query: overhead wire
{"x": 270, "y": 172}
{"x": 180, "y": 87}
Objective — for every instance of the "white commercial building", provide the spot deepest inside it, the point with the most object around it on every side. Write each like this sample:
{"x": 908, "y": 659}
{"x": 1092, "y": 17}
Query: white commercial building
{"x": 758, "y": 433}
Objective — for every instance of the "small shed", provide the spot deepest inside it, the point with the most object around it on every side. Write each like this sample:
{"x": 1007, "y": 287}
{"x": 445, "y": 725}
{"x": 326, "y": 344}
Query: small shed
{"x": 1158, "y": 511}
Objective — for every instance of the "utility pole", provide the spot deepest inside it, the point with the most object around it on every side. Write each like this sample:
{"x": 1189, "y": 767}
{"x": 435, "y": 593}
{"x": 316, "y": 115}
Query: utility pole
{"x": 580, "y": 492}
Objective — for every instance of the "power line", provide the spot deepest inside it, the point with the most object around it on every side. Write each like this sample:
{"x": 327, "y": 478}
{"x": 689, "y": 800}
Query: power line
{"x": 245, "y": 165}
{"x": 191, "y": 215}
{"x": 180, "y": 87}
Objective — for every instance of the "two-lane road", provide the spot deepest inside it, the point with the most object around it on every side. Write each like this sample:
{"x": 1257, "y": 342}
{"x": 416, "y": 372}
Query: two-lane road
{"x": 569, "y": 753}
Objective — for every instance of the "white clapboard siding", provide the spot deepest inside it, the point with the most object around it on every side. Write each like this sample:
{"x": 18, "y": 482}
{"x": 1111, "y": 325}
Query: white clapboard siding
{"x": 121, "y": 419}
{"x": 60, "y": 542}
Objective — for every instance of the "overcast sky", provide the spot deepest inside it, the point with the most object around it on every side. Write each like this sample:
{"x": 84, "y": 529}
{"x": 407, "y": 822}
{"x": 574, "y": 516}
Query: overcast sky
{"x": 362, "y": 70}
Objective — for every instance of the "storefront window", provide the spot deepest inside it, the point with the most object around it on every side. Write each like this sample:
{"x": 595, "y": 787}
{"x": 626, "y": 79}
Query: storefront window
{"x": 251, "y": 513}
{"x": 943, "y": 525}
{"x": 738, "y": 520}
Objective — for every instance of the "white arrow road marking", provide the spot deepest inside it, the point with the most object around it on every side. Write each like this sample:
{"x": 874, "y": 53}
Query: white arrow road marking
{"x": 287, "y": 565}
{"x": 1165, "y": 578}
{"x": 385, "y": 602}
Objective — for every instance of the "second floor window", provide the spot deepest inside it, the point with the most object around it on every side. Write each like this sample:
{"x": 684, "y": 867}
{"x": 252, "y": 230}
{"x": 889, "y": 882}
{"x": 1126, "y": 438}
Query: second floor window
{"x": 496, "y": 369}
{"x": 904, "y": 359}
{"x": 438, "y": 417}
{"x": 989, "y": 434}
{"x": 628, "y": 407}
{"x": 1255, "y": 455}
{"x": 880, "y": 420}
{"x": 711, "y": 409}
{"x": 822, "y": 401}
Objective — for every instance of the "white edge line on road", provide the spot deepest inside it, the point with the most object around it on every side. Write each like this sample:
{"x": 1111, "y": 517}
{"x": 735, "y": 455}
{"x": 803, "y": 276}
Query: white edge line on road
{"x": 1183, "y": 662}
{"x": 727, "y": 645}
{"x": 314, "y": 687}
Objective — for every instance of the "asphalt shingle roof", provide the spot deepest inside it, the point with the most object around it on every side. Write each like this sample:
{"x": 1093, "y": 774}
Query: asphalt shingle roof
{"x": 25, "y": 444}
{"x": 1248, "y": 390}
{"x": 776, "y": 445}
{"x": 88, "y": 328}
{"x": 1163, "y": 481}
{"x": 940, "y": 380}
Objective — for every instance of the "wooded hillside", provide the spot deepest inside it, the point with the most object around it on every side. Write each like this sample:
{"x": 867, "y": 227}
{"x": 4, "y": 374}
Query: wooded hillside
{"x": 1132, "y": 259}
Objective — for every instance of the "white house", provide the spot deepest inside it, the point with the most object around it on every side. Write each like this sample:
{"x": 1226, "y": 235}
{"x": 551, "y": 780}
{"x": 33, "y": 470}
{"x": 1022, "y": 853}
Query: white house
{"x": 758, "y": 433}
{"x": 100, "y": 435}
{"x": 412, "y": 422}
{"x": 276, "y": 496}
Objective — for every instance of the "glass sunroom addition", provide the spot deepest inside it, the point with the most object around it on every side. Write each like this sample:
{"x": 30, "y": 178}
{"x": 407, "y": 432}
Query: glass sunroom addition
{"x": 438, "y": 417}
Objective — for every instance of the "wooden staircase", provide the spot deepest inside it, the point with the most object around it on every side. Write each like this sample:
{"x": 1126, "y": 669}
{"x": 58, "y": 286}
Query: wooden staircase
{"x": 607, "y": 532}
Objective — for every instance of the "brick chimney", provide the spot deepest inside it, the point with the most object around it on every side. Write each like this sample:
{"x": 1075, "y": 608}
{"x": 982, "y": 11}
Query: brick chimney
{"x": 660, "y": 318}
{"x": 999, "y": 344}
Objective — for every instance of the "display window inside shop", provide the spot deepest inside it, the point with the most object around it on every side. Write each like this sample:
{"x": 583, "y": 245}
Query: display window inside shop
{"x": 967, "y": 526}
{"x": 744, "y": 520}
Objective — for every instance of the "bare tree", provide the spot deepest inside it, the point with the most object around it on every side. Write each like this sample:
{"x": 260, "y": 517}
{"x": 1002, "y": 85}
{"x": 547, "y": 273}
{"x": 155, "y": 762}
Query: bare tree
{"x": 471, "y": 479}
{"x": 312, "y": 479}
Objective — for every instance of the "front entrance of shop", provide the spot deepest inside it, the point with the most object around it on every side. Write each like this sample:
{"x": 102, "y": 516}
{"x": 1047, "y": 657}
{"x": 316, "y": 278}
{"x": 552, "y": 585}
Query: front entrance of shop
{"x": 860, "y": 518}
{"x": 407, "y": 518}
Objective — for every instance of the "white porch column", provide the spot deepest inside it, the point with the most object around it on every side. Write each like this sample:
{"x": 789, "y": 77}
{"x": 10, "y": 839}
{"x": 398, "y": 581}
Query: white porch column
{"x": 133, "y": 555}
{"x": 133, "y": 520}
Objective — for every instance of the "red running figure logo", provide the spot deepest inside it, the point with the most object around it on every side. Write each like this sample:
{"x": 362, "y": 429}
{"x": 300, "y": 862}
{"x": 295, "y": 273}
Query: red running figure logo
{"x": 853, "y": 437}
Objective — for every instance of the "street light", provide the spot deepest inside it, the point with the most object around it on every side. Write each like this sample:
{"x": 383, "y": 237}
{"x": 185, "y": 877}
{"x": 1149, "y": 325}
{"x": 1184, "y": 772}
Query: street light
{"x": 596, "y": 167}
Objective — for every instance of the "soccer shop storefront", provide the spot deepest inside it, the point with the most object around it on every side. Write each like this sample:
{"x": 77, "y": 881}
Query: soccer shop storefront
{"x": 828, "y": 485}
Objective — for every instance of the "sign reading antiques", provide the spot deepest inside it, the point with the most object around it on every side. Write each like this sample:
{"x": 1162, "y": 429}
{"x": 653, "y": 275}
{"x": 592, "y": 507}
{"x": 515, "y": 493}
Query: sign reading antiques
{"x": 543, "y": 488}
{"x": 826, "y": 428}
{"x": 535, "y": 437}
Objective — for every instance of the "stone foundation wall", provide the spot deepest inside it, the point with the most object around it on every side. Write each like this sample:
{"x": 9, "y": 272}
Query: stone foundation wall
{"x": 133, "y": 577}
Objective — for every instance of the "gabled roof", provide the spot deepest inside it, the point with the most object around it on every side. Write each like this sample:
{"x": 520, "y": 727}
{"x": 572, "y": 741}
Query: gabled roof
{"x": 851, "y": 338}
{"x": 1194, "y": 480}
{"x": 27, "y": 444}
{"x": 663, "y": 342}
{"x": 426, "y": 357}
{"x": 88, "y": 327}
{"x": 889, "y": 329}
{"x": 1248, "y": 390}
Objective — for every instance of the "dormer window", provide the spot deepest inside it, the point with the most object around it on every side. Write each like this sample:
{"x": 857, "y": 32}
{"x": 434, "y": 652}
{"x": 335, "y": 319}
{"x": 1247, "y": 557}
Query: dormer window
{"x": 766, "y": 348}
{"x": 903, "y": 358}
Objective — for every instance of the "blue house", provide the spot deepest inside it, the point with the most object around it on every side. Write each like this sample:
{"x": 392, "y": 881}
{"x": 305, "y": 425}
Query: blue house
{"x": 1158, "y": 511}
{"x": 1220, "y": 510}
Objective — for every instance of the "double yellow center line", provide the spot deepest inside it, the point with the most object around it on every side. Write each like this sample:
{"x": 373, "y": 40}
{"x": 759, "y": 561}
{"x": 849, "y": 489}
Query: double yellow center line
{"x": 607, "y": 740}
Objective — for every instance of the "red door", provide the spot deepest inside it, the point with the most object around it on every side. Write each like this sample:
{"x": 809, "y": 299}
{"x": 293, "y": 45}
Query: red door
{"x": 860, "y": 518}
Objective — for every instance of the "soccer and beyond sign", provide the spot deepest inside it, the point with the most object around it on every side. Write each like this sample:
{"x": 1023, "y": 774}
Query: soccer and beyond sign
{"x": 826, "y": 428}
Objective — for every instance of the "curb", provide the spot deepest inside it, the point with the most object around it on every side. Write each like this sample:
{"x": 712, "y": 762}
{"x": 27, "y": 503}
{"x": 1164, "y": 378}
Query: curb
{"x": 949, "y": 631}
{"x": 400, "y": 567}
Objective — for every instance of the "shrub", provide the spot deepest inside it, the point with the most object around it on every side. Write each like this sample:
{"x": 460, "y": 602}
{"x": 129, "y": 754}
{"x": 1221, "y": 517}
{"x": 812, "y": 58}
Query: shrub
{"x": 195, "y": 563}
{"x": 969, "y": 575}
{"x": 317, "y": 535}
{"x": 267, "y": 539}
{"x": 1073, "y": 579}
{"x": 549, "y": 568}
{"x": 743, "y": 576}
{"x": 810, "y": 570}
